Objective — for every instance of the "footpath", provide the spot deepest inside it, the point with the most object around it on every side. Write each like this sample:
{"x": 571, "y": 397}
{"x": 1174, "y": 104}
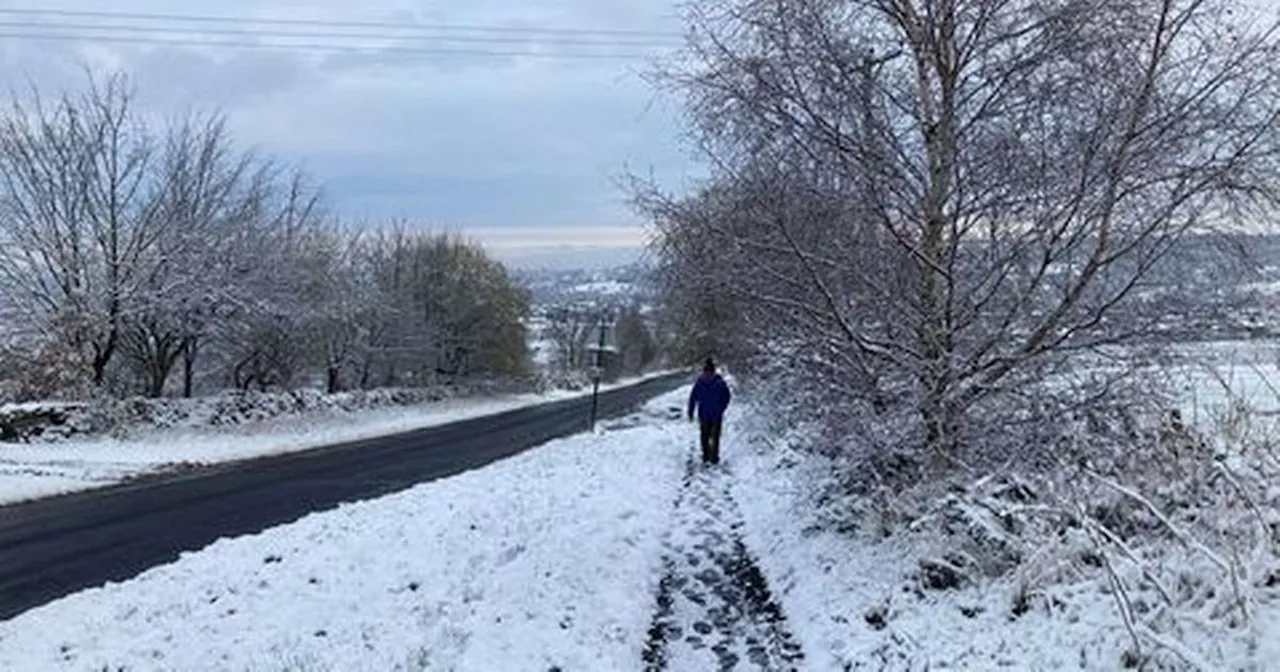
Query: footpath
{"x": 714, "y": 607}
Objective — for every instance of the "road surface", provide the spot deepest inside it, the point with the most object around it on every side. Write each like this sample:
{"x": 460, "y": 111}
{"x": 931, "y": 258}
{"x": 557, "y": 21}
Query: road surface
{"x": 54, "y": 547}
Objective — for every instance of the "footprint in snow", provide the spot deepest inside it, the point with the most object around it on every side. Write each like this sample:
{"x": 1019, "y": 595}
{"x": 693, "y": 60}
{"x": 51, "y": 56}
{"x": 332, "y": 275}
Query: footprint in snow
{"x": 713, "y": 590}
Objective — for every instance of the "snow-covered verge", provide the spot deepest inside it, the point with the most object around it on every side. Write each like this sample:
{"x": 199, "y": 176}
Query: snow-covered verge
{"x": 30, "y": 470}
{"x": 120, "y": 418}
{"x": 547, "y": 560}
{"x": 1165, "y": 559}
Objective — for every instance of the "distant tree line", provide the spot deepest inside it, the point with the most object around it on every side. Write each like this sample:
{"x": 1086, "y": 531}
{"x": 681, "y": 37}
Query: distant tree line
{"x": 159, "y": 258}
{"x": 570, "y": 329}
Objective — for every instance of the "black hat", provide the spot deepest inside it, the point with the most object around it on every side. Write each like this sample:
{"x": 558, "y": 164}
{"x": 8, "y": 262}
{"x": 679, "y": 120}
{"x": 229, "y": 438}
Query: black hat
{"x": 709, "y": 366}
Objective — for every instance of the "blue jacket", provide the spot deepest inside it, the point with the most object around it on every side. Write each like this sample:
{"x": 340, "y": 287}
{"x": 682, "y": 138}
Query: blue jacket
{"x": 711, "y": 396}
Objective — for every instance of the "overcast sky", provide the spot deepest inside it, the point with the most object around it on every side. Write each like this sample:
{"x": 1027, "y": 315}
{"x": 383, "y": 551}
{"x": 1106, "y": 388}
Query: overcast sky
{"x": 472, "y": 141}
{"x": 521, "y": 152}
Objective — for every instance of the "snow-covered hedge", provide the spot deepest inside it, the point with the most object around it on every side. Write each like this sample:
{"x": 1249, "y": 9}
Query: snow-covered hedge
{"x": 51, "y": 421}
{"x": 23, "y": 422}
{"x": 563, "y": 380}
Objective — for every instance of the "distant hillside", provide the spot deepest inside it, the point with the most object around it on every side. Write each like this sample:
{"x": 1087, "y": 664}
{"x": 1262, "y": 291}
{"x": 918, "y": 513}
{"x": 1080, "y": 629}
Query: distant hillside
{"x": 568, "y": 258}
{"x": 613, "y": 286}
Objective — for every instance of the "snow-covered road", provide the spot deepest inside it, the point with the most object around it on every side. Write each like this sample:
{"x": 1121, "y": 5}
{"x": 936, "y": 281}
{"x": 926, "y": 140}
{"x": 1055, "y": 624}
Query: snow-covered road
{"x": 547, "y": 560}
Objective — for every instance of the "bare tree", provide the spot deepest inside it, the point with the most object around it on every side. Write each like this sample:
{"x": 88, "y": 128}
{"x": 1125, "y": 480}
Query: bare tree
{"x": 267, "y": 335}
{"x": 567, "y": 328}
{"x": 138, "y": 247}
{"x": 957, "y": 193}
{"x": 80, "y": 216}
{"x": 191, "y": 270}
{"x": 636, "y": 344}
{"x": 404, "y": 307}
{"x": 341, "y": 297}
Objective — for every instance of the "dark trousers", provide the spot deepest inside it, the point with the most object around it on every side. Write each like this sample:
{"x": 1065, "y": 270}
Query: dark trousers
{"x": 710, "y": 442}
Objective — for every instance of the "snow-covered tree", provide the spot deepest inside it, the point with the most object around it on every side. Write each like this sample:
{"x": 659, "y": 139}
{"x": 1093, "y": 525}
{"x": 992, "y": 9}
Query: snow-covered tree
{"x": 142, "y": 247}
{"x": 193, "y": 271}
{"x": 636, "y": 345}
{"x": 937, "y": 201}
{"x": 266, "y": 339}
{"x": 77, "y": 214}
{"x": 448, "y": 310}
{"x": 567, "y": 328}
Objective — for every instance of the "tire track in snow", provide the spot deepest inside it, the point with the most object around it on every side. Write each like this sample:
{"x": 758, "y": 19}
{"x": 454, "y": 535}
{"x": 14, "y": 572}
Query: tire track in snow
{"x": 714, "y": 607}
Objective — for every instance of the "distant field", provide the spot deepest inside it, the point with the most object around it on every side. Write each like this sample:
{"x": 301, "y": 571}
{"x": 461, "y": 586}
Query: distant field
{"x": 1213, "y": 377}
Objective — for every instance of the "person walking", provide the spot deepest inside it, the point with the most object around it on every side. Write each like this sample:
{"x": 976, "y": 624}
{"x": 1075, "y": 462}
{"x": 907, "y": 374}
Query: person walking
{"x": 710, "y": 396}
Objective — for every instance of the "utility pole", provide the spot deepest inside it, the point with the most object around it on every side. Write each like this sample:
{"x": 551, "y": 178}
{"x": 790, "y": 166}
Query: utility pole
{"x": 601, "y": 346}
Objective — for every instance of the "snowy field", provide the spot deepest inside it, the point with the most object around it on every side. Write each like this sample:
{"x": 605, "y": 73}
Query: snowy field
{"x": 1213, "y": 378}
{"x": 544, "y": 561}
{"x": 41, "y": 469}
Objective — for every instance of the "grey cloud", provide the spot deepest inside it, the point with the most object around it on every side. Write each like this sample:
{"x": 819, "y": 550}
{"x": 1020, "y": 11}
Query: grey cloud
{"x": 168, "y": 75}
{"x": 543, "y": 161}
{"x": 49, "y": 66}
{"x": 464, "y": 139}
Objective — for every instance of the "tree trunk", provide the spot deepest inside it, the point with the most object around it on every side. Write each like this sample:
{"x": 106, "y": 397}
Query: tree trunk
{"x": 935, "y": 333}
{"x": 365, "y": 371}
{"x": 167, "y": 352}
{"x": 189, "y": 351}
{"x": 101, "y": 358}
{"x": 99, "y": 369}
{"x": 941, "y": 422}
{"x": 239, "y": 377}
{"x": 332, "y": 379}
{"x": 159, "y": 375}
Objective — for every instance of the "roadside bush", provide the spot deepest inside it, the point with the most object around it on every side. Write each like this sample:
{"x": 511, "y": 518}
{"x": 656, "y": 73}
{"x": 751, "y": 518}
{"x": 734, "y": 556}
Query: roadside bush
{"x": 121, "y": 418}
{"x": 1178, "y": 523}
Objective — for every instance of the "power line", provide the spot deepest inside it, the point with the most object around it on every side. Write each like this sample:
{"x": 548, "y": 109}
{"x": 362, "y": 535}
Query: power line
{"x": 425, "y": 51}
{"x": 568, "y": 40}
{"x": 381, "y": 25}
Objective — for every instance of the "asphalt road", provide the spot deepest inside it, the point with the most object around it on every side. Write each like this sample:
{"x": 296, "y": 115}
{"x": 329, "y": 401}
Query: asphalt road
{"x": 54, "y": 547}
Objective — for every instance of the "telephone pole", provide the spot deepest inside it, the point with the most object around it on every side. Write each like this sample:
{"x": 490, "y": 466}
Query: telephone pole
{"x": 603, "y": 344}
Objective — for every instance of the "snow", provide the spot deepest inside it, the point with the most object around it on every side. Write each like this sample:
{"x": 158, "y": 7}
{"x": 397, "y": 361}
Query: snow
{"x": 1207, "y": 379}
{"x": 38, "y": 407}
{"x": 1267, "y": 288}
{"x": 543, "y": 352}
{"x": 603, "y": 287}
{"x": 22, "y": 481}
{"x": 854, "y": 598}
{"x": 546, "y": 560}
{"x": 1216, "y": 376}
{"x": 42, "y": 469}
{"x": 714, "y": 610}
{"x": 553, "y": 559}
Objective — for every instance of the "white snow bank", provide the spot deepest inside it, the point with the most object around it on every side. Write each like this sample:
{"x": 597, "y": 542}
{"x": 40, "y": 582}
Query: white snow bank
{"x": 20, "y": 482}
{"x": 42, "y": 469}
{"x": 545, "y": 560}
{"x": 39, "y": 406}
